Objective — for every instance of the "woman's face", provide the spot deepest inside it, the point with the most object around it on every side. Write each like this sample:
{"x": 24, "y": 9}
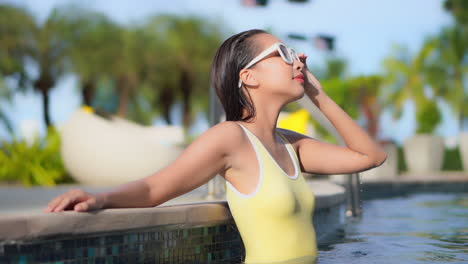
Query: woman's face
{"x": 273, "y": 75}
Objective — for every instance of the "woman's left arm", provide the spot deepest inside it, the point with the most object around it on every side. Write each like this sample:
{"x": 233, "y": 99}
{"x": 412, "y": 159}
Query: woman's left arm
{"x": 361, "y": 151}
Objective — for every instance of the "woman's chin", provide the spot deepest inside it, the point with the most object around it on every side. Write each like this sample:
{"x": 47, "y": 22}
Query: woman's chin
{"x": 300, "y": 93}
{"x": 296, "y": 96}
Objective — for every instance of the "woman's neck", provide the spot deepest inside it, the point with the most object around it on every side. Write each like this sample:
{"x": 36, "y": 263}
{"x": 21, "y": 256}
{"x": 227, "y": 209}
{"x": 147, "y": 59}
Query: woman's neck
{"x": 263, "y": 124}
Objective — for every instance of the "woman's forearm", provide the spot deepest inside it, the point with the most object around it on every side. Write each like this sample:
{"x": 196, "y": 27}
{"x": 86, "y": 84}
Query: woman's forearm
{"x": 132, "y": 194}
{"x": 356, "y": 138}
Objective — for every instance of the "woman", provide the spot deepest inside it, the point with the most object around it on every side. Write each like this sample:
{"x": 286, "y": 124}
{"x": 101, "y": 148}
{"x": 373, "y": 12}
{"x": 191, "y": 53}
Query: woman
{"x": 255, "y": 76}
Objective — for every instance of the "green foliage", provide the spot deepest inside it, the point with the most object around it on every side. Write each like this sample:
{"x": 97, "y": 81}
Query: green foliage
{"x": 35, "y": 163}
{"x": 402, "y": 167}
{"x": 366, "y": 86}
{"x": 5, "y": 96}
{"x": 452, "y": 160}
{"x": 436, "y": 66}
{"x": 449, "y": 67}
{"x": 352, "y": 94}
{"x": 458, "y": 9}
{"x": 152, "y": 65}
{"x": 428, "y": 117}
{"x": 339, "y": 90}
{"x": 15, "y": 24}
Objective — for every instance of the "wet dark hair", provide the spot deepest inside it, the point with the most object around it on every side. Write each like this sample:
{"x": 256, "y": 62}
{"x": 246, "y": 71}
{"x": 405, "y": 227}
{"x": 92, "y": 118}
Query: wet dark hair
{"x": 231, "y": 57}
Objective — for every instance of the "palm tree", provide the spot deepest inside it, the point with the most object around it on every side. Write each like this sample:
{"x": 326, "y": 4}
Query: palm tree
{"x": 90, "y": 36}
{"x": 49, "y": 55}
{"x": 334, "y": 78}
{"x": 5, "y": 95}
{"x": 16, "y": 27}
{"x": 190, "y": 44}
{"x": 459, "y": 10}
{"x": 127, "y": 67}
{"x": 407, "y": 78}
{"x": 40, "y": 44}
{"x": 368, "y": 90}
{"x": 102, "y": 52}
{"x": 449, "y": 67}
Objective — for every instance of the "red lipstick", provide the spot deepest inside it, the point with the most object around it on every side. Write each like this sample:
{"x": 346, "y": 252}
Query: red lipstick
{"x": 300, "y": 78}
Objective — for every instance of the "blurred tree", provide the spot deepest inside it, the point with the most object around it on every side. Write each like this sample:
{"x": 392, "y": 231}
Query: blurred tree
{"x": 428, "y": 117}
{"x": 127, "y": 68}
{"x": 334, "y": 81}
{"x": 448, "y": 69}
{"x": 92, "y": 39}
{"x": 110, "y": 58}
{"x": 182, "y": 73}
{"x": 335, "y": 68}
{"x": 48, "y": 54}
{"x": 17, "y": 26}
{"x": 5, "y": 96}
{"x": 16, "y": 31}
{"x": 459, "y": 10}
{"x": 407, "y": 77}
{"x": 150, "y": 66}
{"x": 341, "y": 92}
{"x": 367, "y": 89}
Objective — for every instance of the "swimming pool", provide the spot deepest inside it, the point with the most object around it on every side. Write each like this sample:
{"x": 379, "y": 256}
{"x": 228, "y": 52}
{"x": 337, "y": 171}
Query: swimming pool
{"x": 416, "y": 228}
{"x": 414, "y": 223}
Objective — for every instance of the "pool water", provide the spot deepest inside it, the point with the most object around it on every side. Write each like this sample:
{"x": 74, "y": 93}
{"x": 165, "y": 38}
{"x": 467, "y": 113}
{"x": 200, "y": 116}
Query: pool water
{"x": 418, "y": 228}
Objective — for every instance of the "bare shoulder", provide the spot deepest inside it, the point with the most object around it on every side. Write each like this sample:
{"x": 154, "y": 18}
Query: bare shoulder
{"x": 226, "y": 134}
{"x": 228, "y": 129}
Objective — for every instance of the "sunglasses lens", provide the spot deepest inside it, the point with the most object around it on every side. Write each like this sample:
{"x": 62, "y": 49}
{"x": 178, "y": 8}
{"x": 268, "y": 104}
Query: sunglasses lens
{"x": 285, "y": 54}
{"x": 294, "y": 54}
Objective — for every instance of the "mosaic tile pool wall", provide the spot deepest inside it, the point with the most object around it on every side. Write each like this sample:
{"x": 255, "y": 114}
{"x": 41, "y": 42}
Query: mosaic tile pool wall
{"x": 219, "y": 243}
{"x": 213, "y": 243}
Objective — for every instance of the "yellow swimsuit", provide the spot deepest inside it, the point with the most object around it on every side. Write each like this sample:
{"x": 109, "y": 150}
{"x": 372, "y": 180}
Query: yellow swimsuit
{"x": 275, "y": 221}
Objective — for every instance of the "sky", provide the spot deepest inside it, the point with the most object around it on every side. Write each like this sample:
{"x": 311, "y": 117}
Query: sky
{"x": 365, "y": 31}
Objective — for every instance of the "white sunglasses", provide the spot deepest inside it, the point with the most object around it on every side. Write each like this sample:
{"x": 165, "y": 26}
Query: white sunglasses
{"x": 286, "y": 53}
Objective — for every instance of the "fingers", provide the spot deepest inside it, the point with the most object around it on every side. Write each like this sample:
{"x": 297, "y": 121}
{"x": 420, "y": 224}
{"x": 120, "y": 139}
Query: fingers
{"x": 63, "y": 204}
{"x": 51, "y": 206}
{"x": 86, "y": 205}
{"x": 63, "y": 201}
{"x": 81, "y": 207}
{"x": 303, "y": 57}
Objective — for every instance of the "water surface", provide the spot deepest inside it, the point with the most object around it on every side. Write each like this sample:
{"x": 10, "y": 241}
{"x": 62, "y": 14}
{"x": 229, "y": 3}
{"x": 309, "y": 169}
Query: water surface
{"x": 419, "y": 228}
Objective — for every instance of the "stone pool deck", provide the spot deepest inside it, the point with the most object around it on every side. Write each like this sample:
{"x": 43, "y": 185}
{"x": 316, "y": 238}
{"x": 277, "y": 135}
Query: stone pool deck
{"x": 187, "y": 229}
{"x": 22, "y": 216}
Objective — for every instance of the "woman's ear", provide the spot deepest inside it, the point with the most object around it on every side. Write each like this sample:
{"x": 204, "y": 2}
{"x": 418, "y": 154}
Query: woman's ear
{"x": 248, "y": 78}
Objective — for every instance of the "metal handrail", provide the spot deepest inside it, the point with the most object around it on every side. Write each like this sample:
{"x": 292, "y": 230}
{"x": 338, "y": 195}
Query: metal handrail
{"x": 353, "y": 195}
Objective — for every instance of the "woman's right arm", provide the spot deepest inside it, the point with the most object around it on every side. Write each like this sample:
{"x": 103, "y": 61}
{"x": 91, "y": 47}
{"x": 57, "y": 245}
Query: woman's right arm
{"x": 201, "y": 161}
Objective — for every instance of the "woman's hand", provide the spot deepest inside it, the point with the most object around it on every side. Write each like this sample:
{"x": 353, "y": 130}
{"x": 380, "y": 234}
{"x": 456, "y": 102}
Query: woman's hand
{"x": 312, "y": 86}
{"x": 310, "y": 82}
{"x": 77, "y": 200}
